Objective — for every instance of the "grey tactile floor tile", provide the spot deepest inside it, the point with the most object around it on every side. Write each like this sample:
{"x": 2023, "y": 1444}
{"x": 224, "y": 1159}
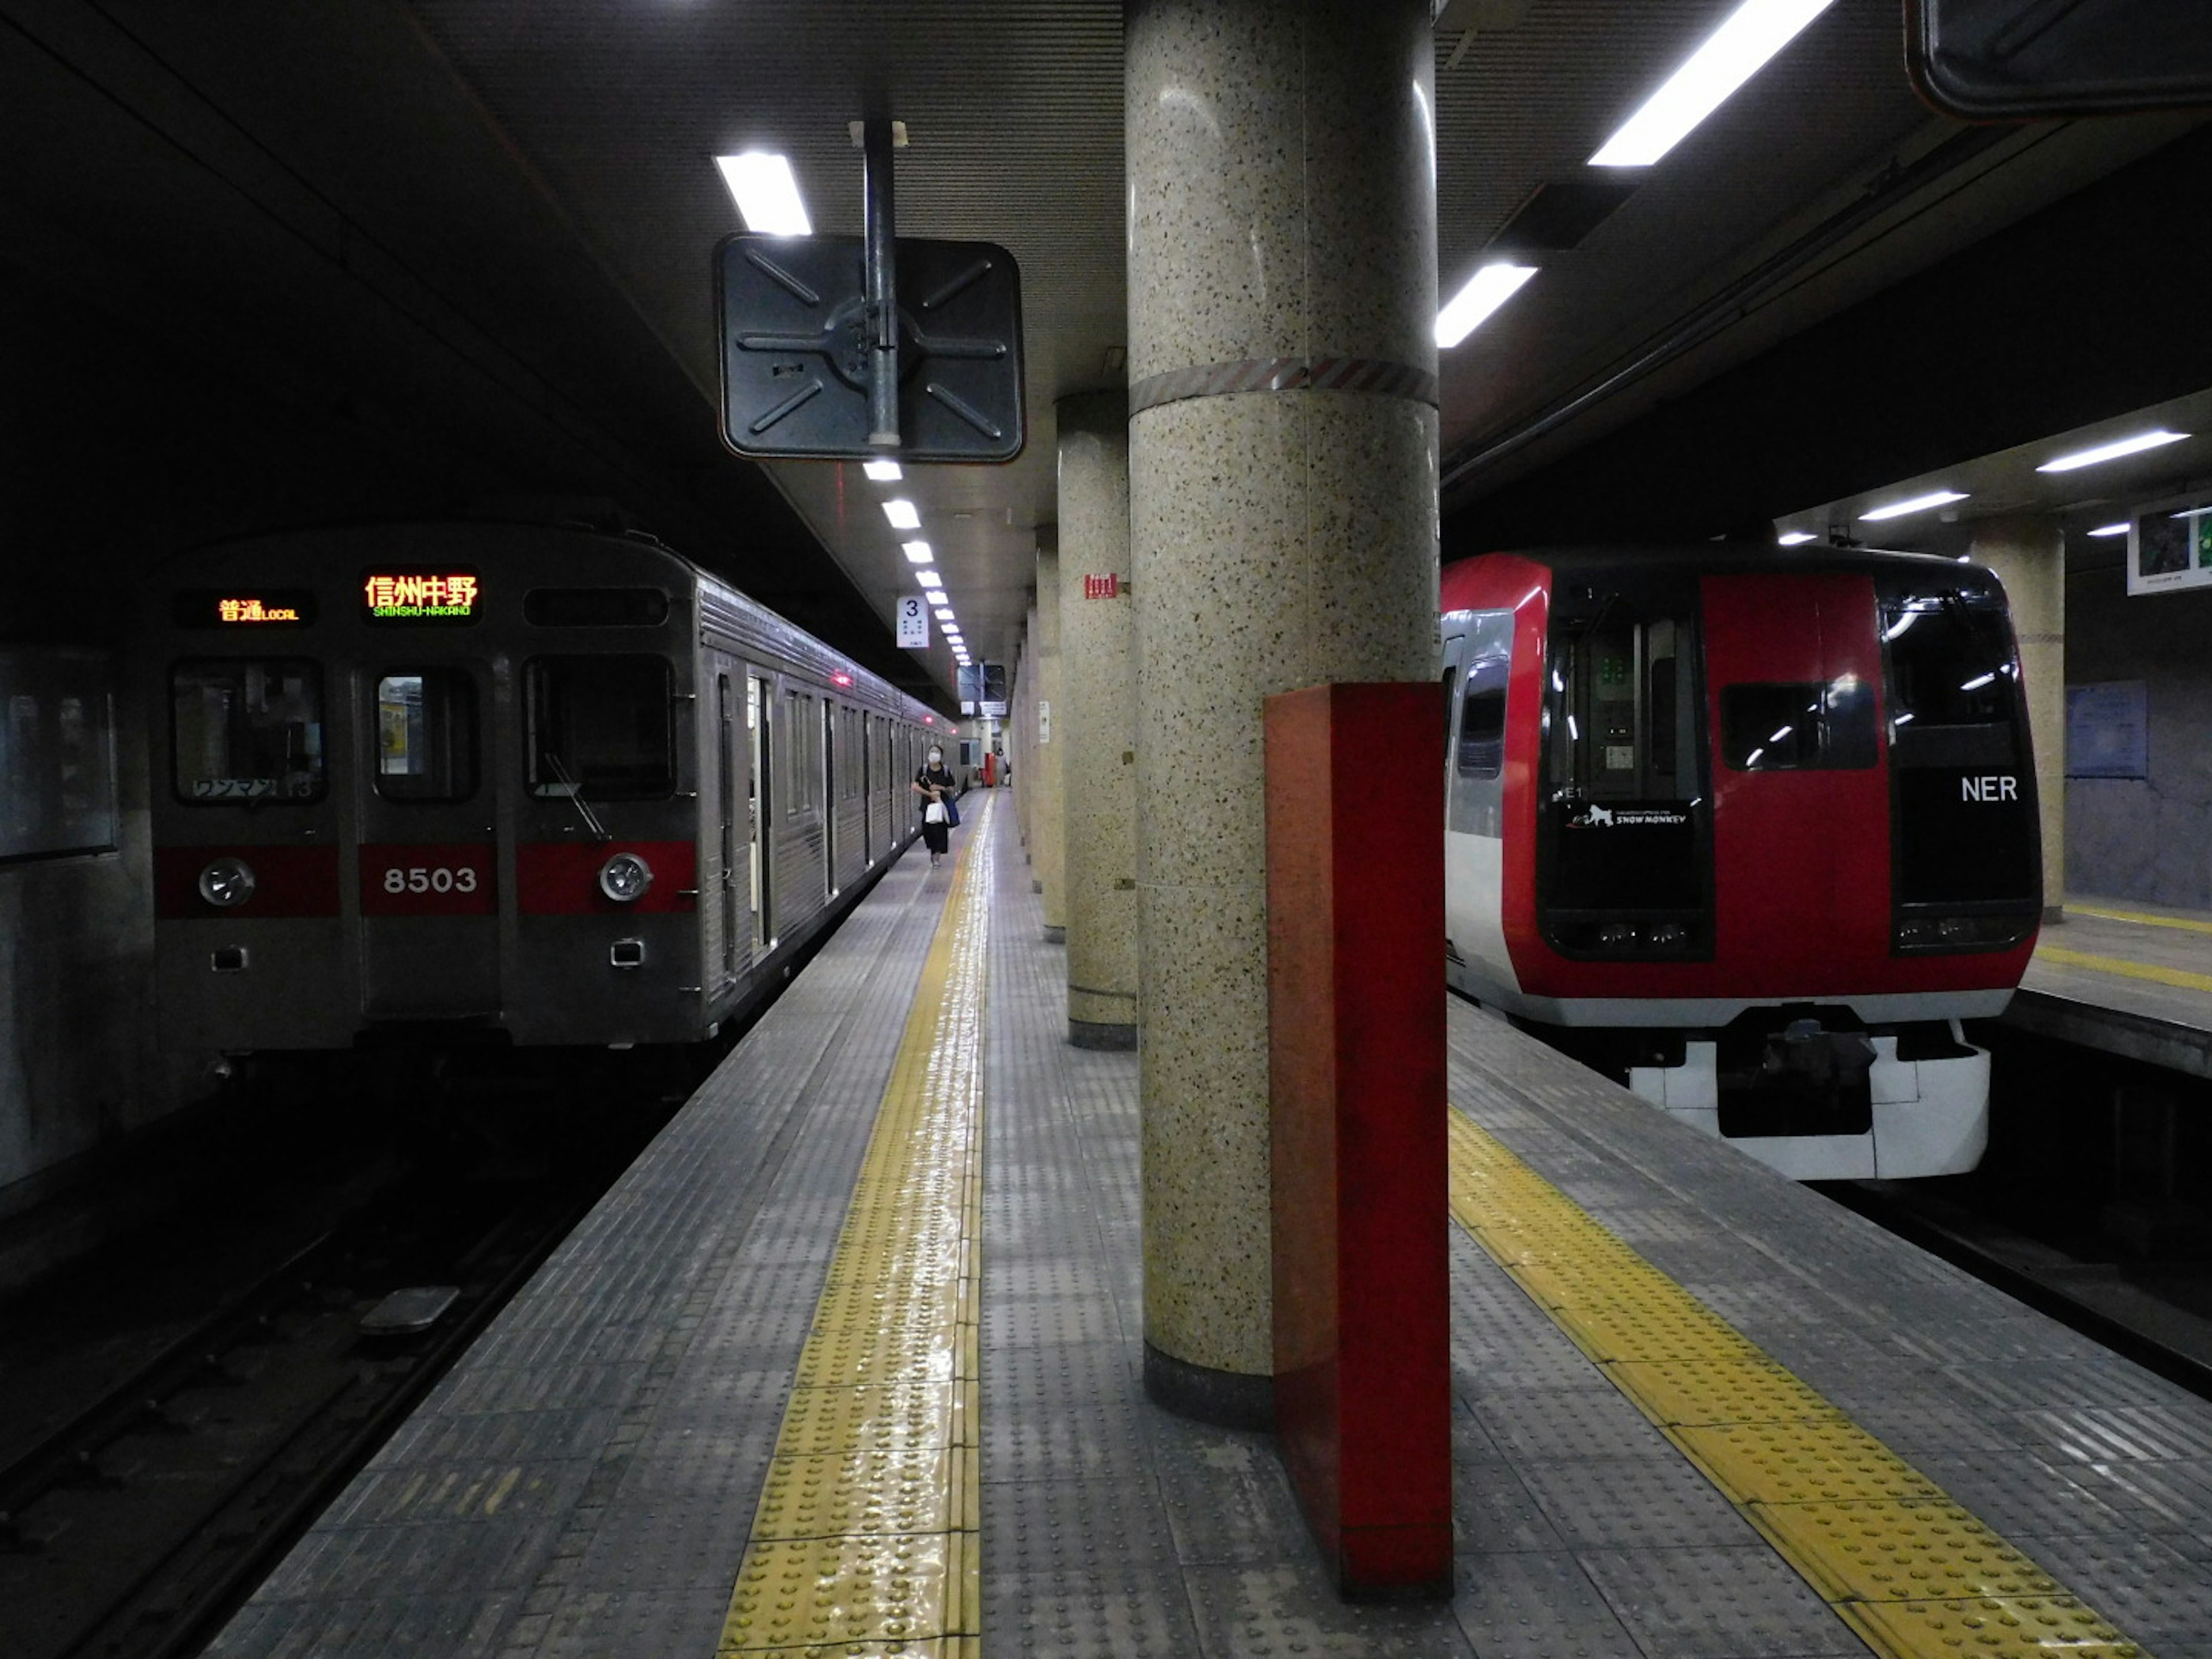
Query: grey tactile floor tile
{"x": 593, "y": 1624}
{"x": 1085, "y": 1615}
{"x": 1284, "y": 1610}
{"x": 1634, "y": 1503}
{"x": 1539, "y": 1424}
{"x": 376, "y": 1627}
{"x": 1695, "y": 1603}
{"x": 2145, "y": 1586}
{"x": 1494, "y": 1513}
{"x": 1537, "y": 1604}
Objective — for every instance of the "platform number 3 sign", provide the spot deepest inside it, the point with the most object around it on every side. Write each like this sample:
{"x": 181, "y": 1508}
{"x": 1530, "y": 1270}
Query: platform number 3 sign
{"x": 913, "y": 624}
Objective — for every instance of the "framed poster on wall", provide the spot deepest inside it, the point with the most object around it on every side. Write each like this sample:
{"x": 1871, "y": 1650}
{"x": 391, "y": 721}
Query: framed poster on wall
{"x": 2170, "y": 545}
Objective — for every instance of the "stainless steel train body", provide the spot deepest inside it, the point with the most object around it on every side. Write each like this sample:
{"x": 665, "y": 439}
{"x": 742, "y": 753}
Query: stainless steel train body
{"x": 450, "y": 782}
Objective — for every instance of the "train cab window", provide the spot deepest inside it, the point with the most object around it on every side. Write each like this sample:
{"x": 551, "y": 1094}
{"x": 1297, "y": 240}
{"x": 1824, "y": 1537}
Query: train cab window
{"x": 426, "y": 735}
{"x": 1481, "y": 751}
{"x": 247, "y": 730}
{"x": 600, "y": 727}
{"x": 1950, "y": 664}
{"x": 1798, "y": 725}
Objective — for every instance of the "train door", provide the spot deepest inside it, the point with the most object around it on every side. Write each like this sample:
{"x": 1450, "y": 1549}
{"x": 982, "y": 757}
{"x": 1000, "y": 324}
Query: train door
{"x": 1802, "y": 824}
{"x": 429, "y": 905}
{"x": 830, "y": 798}
{"x": 759, "y": 791}
{"x": 867, "y": 788}
{"x": 726, "y": 796}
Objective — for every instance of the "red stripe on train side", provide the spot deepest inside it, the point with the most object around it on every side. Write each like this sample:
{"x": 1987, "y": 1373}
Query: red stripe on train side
{"x": 562, "y": 877}
{"x": 287, "y": 882}
{"x": 438, "y": 878}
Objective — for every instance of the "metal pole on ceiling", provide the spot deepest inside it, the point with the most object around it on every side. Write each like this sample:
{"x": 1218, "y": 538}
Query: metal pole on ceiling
{"x": 882, "y": 233}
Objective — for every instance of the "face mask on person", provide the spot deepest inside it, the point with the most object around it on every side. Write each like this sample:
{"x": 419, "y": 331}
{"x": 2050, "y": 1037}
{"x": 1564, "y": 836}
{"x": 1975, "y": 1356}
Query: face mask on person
{"x": 937, "y": 757}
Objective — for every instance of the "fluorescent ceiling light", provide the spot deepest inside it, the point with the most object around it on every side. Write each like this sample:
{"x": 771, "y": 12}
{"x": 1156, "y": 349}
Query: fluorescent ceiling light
{"x": 1487, "y": 289}
{"x": 882, "y": 471}
{"x": 2113, "y": 450}
{"x": 1917, "y": 504}
{"x": 901, "y": 512}
{"x": 937, "y": 596}
{"x": 929, "y": 578}
{"x": 1731, "y": 55}
{"x": 917, "y": 551}
{"x": 943, "y": 613}
{"x": 2110, "y": 530}
{"x": 766, "y": 193}
{"x": 1795, "y": 537}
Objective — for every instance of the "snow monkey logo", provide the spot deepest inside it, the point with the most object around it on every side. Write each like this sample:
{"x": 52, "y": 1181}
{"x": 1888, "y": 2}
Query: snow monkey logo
{"x": 1594, "y": 816}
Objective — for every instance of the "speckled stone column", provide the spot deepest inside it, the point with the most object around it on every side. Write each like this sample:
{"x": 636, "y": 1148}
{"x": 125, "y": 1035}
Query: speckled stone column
{"x": 1283, "y": 497}
{"x": 1096, "y": 721}
{"x": 2028, "y": 554}
{"x": 1050, "y": 847}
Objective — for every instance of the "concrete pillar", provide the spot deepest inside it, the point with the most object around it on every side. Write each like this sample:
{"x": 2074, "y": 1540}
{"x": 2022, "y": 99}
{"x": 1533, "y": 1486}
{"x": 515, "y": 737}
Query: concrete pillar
{"x": 2028, "y": 554}
{"x": 1051, "y": 845}
{"x": 1024, "y": 709}
{"x": 1283, "y": 508}
{"x": 1096, "y": 721}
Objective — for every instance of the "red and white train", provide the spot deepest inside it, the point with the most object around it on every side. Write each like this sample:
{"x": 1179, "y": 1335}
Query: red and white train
{"x": 432, "y": 785}
{"x": 1753, "y": 830}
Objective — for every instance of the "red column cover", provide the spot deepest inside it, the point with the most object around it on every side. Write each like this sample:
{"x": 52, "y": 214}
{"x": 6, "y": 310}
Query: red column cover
{"x": 1356, "y": 1031}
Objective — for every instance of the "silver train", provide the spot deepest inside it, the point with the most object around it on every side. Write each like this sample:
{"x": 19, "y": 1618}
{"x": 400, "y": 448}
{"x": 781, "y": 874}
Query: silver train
{"x": 436, "y": 784}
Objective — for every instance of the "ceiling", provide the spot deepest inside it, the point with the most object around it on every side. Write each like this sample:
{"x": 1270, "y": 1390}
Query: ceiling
{"x": 493, "y": 220}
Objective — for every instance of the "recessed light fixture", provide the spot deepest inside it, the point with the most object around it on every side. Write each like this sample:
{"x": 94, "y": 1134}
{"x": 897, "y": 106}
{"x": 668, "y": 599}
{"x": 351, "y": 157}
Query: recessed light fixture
{"x": 1916, "y": 504}
{"x": 937, "y": 596}
{"x": 943, "y": 613}
{"x": 767, "y": 194}
{"x": 1732, "y": 54}
{"x": 902, "y": 513}
{"x": 2113, "y": 450}
{"x": 1795, "y": 537}
{"x": 2110, "y": 530}
{"x": 929, "y": 579}
{"x": 882, "y": 471}
{"x": 1468, "y": 309}
{"x": 917, "y": 551}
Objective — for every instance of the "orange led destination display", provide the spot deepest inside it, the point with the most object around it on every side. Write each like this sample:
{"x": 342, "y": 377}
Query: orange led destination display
{"x": 265, "y": 607}
{"x": 416, "y": 595}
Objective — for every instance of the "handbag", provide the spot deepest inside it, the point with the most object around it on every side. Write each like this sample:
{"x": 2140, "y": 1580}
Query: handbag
{"x": 933, "y": 813}
{"x": 952, "y": 813}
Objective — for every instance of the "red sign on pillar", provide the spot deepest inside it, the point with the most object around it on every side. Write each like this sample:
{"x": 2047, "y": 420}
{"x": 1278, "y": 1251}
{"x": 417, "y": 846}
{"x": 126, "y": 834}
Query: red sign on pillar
{"x": 1356, "y": 1074}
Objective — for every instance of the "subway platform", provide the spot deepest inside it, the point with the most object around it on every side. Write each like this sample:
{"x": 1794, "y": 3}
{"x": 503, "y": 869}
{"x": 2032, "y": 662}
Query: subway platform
{"x": 2126, "y": 978}
{"x": 849, "y": 1362}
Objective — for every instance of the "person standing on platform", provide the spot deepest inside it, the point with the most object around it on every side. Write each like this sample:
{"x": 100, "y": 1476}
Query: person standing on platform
{"x": 937, "y": 787}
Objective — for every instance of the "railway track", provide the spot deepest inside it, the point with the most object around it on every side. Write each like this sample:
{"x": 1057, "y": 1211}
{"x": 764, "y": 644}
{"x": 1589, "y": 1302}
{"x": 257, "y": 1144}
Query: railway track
{"x": 137, "y": 1525}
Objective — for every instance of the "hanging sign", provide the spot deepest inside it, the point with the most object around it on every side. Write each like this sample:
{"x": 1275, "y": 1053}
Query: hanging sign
{"x": 913, "y": 624}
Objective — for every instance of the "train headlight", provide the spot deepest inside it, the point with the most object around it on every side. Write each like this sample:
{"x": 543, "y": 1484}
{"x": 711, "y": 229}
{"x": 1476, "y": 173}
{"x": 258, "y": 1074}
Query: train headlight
{"x": 624, "y": 878}
{"x": 227, "y": 883}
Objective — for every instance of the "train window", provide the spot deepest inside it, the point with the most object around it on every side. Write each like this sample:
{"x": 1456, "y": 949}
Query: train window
{"x": 595, "y": 607}
{"x": 426, "y": 735}
{"x": 1798, "y": 726}
{"x": 1482, "y": 719}
{"x": 600, "y": 727}
{"x": 1950, "y": 664}
{"x": 247, "y": 730}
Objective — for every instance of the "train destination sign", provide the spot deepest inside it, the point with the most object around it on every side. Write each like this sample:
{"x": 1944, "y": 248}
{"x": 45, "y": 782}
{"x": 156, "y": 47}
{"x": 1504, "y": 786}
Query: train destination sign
{"x": 420, "y": 595}
{"x": 265, "y": 607}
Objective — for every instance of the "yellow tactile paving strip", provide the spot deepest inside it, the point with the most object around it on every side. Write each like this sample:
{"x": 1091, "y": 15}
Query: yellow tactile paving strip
{"x": 2176, "y": 976}
{"x": 865, "y": 1541}
{"x": 1915, "y": 1575}
{"x": 2144, "y": 918}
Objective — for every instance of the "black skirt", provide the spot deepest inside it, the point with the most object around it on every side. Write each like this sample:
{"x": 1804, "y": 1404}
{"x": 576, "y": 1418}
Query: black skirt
{"x": 938, "y": 835}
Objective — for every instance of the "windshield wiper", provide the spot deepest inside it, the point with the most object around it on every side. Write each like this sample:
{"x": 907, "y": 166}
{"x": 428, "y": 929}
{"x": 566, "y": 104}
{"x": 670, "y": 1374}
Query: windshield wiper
{"x": 575, "y": 797}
